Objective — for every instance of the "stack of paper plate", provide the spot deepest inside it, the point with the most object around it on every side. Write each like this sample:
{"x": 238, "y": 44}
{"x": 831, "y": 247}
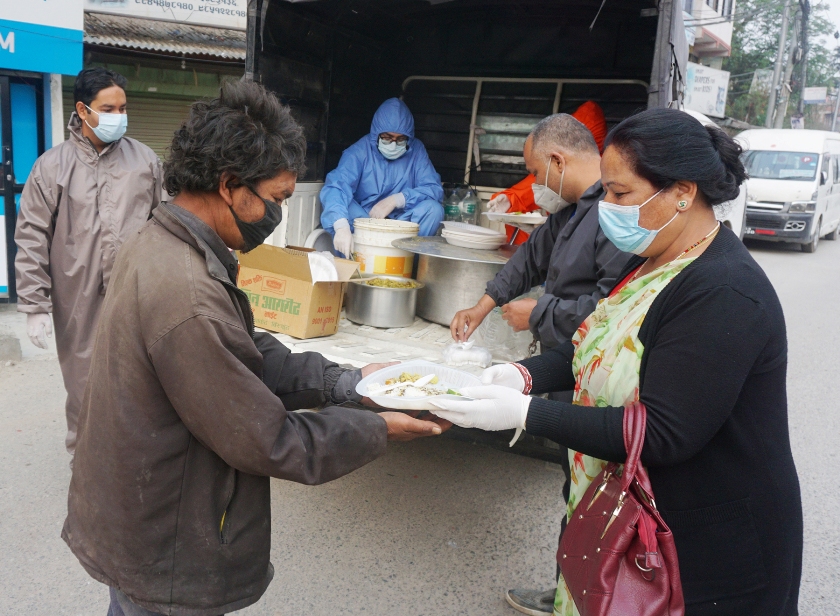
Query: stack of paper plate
{"x": 472, "y": 236}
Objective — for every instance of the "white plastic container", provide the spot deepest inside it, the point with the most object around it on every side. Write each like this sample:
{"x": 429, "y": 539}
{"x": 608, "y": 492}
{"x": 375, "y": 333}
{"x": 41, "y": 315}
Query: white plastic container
{"x": 373, "y": 249}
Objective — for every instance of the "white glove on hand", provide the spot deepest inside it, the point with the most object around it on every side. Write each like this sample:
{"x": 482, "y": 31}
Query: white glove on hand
{"x": 506, "y": 375}
{"x": 343, "y": 240}
{"x": 494, "y": 408}
{"x": 499, "y": 204}
{"x": 38, "y": 327}
{"x": 387, "y": 205}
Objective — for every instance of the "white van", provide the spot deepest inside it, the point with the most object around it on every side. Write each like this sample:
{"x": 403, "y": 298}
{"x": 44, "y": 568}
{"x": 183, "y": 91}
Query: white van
{"x": 733, "y": 213}
{"x": 793, "y": 194}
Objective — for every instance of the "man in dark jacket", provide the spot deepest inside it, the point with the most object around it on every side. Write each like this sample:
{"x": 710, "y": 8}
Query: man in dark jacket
{"x": 184, "y": 419}
{"x": 569, "y": 254}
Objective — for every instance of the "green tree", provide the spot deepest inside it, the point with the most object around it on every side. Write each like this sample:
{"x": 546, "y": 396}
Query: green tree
{"x": 755, "y": 39}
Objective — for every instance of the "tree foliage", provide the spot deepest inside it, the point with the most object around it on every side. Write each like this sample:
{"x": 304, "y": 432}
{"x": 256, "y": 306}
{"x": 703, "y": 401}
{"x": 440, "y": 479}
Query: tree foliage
{"x": 755, "y": 41}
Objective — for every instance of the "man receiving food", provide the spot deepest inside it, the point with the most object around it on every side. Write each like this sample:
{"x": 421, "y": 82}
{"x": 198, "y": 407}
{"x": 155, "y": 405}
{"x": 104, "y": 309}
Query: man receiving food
{"x": 385, "y": 174}
{"x": 187, "y": 413}
{"x": 569, "y": 253}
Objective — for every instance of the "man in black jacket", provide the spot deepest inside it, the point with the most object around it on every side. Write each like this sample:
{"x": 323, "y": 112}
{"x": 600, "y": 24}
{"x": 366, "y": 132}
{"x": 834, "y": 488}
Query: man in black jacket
{"x": 569, "y": 254}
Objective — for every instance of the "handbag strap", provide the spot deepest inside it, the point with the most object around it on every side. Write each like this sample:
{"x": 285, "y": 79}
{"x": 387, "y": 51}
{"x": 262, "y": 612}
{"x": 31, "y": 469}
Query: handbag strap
{"x": 635, "y": 420}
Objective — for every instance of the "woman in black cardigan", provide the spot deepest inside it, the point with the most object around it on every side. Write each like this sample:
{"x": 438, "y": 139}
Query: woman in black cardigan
{"x": 711, "y": 360}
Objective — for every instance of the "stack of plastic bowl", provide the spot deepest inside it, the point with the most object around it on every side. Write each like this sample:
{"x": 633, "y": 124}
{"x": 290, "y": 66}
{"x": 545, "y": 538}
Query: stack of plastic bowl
{"x": 472, "y": 236}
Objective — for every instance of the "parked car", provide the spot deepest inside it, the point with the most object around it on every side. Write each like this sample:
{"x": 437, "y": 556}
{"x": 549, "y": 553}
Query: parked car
{"x": 732, "y": 213}
{"x": 793, "y": 194}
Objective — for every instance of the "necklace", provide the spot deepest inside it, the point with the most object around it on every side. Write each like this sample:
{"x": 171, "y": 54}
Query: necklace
{"x": 683, "y": 253}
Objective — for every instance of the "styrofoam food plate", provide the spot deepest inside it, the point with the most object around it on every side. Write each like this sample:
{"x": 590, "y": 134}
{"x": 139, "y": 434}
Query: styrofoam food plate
{"x": 475, "y": 239}
{"x": 456, "y": 241}
{"x": 531, "y": 218}
{"x": 467, "y": 228}
{"x": 474, "y": 236}
{"x": 449, "y": 378}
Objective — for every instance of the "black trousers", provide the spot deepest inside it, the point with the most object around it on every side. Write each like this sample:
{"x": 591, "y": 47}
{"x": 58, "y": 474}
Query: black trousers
{"x": 122, "y": 606}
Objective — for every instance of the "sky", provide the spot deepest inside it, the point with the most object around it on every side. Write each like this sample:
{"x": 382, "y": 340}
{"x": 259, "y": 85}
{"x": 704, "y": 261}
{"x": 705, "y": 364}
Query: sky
{"x": 834, "y": 13}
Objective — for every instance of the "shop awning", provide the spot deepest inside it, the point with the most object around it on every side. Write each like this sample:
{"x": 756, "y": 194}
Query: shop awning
{"x": 163, "y": 36}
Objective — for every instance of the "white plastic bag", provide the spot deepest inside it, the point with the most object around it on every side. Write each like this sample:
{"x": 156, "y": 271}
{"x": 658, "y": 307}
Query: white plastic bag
{"x": 467, "y": 354}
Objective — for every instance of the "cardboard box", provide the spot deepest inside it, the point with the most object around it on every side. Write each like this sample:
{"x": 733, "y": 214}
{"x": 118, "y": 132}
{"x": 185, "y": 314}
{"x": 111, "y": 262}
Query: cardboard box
{"x": 284, "y": 298}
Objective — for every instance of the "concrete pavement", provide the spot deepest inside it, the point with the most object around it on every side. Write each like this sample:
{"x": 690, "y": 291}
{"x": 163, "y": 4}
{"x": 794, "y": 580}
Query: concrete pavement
{"x": 434, "y": 527}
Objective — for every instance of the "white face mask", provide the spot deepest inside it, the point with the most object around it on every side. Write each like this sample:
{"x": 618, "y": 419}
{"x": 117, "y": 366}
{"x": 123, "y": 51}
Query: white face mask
{"x": 546, "y": 198}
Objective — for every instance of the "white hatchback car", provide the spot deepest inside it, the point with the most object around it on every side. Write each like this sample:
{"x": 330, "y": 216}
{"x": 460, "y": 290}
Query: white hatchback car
{"x": 733, "y": 213}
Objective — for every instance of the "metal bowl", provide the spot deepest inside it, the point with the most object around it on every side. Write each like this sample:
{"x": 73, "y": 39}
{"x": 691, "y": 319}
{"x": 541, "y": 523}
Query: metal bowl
{"x": 381, "y": 306}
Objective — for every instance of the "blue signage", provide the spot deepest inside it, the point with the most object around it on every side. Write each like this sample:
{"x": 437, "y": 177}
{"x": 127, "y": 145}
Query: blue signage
{"x": 40, "y": 49}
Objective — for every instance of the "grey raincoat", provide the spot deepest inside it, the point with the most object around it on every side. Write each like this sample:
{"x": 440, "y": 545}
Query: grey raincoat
{"x": 575, "y": 260}
{"x": 77, "y": 208}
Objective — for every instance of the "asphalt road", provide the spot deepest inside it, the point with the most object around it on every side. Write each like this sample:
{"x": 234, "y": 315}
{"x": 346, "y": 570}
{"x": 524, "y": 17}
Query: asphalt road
{"x": 435, "y": 526}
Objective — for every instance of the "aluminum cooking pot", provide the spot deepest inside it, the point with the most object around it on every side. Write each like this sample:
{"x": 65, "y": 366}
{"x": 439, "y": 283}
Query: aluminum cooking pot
{"x": 381, "y": 306}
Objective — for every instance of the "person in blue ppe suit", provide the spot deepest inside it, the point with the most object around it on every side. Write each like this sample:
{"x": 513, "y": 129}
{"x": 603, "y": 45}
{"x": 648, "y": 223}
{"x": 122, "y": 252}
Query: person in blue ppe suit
{"x": 386, "y": 174}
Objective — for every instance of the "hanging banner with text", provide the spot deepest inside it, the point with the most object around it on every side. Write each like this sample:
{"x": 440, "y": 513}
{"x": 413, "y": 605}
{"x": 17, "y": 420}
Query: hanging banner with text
{"x": 230, "y": 14}
{"x": 706, "y": 89}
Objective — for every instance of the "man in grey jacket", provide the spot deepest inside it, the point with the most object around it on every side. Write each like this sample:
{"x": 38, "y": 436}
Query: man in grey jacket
{"x": 569, "y": 254}
{"x": 82, "y": 199}
{"x": 186, "y": 414}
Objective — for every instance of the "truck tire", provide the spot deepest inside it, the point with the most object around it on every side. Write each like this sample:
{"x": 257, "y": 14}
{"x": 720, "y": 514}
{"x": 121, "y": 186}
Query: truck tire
{"x": 815, "y": 239}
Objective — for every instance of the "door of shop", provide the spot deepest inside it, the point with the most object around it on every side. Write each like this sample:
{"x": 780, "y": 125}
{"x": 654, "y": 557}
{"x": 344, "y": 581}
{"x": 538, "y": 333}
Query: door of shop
{"x": 21, "y": 142}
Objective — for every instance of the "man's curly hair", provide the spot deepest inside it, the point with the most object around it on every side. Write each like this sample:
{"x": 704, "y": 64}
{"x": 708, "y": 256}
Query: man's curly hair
{"x": 246, "y": 132}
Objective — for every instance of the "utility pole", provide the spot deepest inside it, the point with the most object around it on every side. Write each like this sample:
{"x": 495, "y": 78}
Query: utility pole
{"x": 777, "y": 69}
{"x": 805, "y": 6}
{"x": 785, "y": 90}
{"x": 836, "y": 105}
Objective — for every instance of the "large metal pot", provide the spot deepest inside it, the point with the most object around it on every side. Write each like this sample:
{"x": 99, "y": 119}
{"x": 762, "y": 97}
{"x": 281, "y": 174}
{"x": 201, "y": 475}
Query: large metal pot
{"x": 454, "y": 278}
{"x": 381, "y": 306}
{"x": 451, "y": 286}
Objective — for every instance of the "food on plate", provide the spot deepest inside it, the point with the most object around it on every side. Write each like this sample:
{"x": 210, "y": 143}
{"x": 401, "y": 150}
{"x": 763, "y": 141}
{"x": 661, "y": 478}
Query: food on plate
{"x": 405, "y": 377}
{"x": 404, "y": 386}
{"x": 391, "y": 284}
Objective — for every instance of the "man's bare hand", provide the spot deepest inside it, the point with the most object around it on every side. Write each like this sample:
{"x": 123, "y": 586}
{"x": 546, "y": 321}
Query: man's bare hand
{"x": 465, "y": 322}
{"x": 371, "y": 368}
{"x": 517, "y": 313}
{"x": 403, "y": 427}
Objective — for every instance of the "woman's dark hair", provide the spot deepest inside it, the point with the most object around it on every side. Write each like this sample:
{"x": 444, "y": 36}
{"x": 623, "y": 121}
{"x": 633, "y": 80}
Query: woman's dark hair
{"x": 91, "y": 81}
{"x": 667, "y": 145}
{"x": 246, "y": 132}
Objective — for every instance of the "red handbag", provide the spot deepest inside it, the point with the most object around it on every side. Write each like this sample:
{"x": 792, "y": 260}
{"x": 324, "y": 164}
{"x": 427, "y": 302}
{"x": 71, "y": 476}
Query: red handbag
{"x": 617, "y": 555}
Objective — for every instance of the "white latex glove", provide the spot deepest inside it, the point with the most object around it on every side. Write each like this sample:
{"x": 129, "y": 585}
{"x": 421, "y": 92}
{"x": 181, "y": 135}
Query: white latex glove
{"x": 499, "y": 204}
{"x": 506, "y": 375}
{"x": 343, "y": 240}
{"x": 38, "y": 327}
{"x": 387, "y": 205}
{"x": 494, "y": 408}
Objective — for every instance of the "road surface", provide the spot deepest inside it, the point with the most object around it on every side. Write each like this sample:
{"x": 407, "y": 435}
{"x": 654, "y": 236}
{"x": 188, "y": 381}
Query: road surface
{"x": 435, "y": 526}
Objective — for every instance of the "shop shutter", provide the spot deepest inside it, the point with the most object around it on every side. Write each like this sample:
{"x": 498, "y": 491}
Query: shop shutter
{"x": 151, "y": 119}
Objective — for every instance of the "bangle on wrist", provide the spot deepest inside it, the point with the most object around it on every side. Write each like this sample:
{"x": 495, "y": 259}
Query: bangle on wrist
{"x": 529, "y": 382}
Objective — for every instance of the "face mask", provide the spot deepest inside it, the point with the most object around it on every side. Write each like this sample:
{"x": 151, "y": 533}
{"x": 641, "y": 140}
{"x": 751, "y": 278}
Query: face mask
{"x": 546, "y": 198}
{"x": 254, "y": 233}
{"x": 111, "y": 126}
{"x": 393, "y": 150}
{"x": 620, "y": 224}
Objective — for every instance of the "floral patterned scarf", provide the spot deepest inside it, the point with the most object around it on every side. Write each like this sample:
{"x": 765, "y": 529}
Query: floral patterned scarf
{"x": 608, "y": 355}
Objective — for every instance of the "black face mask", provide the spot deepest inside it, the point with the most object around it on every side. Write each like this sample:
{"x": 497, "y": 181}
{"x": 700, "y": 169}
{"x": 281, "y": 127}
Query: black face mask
{"x": 254, "y": 233}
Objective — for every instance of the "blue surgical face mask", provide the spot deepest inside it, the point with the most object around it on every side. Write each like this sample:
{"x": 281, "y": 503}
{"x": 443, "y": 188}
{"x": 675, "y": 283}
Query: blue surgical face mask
{"x": 393, "y": 150}
{"x": 111, "y": 125}
{"x": 620, "y": 224}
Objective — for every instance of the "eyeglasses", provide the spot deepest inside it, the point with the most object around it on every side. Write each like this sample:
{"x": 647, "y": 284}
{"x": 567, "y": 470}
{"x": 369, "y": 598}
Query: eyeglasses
{"x": 401, "y": 140}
